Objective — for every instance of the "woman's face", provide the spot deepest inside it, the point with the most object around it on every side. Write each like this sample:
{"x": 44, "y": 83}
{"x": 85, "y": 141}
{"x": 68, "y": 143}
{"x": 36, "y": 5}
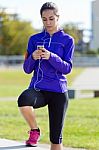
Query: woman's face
{"x": 50, "y": 21}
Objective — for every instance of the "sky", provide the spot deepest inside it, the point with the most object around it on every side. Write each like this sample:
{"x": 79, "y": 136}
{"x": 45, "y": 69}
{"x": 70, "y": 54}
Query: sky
{"x": 71, "y": 11}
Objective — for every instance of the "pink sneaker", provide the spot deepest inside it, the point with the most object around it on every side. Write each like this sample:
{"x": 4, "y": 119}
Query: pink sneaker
{"x": 33, "y": 138}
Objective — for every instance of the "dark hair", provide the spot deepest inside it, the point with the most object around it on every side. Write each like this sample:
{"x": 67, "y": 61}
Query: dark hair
{"x": 51, "y": 6}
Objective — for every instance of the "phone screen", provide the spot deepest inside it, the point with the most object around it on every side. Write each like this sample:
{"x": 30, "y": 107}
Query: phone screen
{"x": 40, "y": 46}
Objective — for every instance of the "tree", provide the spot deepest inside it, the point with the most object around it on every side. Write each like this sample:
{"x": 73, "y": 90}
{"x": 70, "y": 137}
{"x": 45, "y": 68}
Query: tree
{"x": 73, "y": 30}
{"x": 14, "y": 34}
{"x": 16, "y": 39}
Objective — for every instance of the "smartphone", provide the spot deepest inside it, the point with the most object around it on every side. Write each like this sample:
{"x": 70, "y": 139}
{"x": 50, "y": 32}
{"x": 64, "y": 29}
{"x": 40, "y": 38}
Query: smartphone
{"x": 40, "y": 46}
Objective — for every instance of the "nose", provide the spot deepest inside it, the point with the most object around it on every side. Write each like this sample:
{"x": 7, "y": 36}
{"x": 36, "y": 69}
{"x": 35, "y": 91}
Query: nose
{"x": 48, "y": 22}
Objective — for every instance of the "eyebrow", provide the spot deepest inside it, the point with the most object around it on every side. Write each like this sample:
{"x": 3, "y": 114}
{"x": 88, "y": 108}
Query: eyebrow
{"x": 49, "y": 17}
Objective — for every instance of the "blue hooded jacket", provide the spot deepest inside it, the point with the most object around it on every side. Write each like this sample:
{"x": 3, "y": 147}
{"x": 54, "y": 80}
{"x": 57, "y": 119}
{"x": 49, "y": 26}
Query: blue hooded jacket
{"x": 50, "y": 75}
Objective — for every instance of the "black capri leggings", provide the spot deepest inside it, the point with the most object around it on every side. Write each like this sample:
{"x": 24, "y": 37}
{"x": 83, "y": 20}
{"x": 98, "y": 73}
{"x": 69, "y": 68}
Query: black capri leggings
{"x": 57, "y": 105}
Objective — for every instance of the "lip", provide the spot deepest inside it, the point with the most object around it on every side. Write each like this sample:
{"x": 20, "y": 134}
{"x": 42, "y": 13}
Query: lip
{"x": 49, "y": 26}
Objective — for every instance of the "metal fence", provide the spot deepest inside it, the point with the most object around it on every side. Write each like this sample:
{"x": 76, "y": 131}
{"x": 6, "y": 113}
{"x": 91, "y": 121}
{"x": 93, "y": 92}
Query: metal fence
{"x": 83, "y": 61}
{"x": 11, "y": 60}
{"x": 86, "y": 61}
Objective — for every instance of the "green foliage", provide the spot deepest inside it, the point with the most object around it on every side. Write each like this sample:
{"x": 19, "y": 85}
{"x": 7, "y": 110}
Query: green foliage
{"x": 92, "y": 52}
{"x": 19, "y": 33}
{"x": 73, "y": 30}
{"x": 14, "y": 35}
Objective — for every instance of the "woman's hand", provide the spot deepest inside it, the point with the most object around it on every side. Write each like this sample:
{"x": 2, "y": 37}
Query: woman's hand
{"x": 37, "y": 54}
{"x": 45, "y": 54}
{"x": 41, "y": 53}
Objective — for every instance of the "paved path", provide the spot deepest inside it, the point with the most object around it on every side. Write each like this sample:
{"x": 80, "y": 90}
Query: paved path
{"x": 14, "y": 145}
{"x": 87, "y": 80}
{"x": 8, "y": 98}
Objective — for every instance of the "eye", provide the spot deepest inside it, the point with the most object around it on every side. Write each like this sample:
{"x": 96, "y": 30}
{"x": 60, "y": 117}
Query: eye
{"x": 51, "y": 19}
{"x": 44, "y": 19}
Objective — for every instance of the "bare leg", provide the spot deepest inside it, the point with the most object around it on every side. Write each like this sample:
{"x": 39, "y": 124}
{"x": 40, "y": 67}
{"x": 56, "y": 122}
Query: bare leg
{"x": 56, "y": 146}
{"x": 29, "y": 115}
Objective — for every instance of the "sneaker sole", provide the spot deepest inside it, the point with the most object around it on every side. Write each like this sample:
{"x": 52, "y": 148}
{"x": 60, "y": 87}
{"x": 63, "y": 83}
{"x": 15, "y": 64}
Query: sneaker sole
{"x": 31, "y": 145}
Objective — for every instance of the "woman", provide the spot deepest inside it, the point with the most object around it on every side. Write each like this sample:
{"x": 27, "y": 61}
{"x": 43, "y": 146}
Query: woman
{"x": 49, "y": 57}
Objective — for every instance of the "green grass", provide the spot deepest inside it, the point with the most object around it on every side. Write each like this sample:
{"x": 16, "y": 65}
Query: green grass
{"x": 81, "y": 128}
{"x": 13, "y": 81}
{"x": 74, "y": 73}
{"x": 83, "y": 124}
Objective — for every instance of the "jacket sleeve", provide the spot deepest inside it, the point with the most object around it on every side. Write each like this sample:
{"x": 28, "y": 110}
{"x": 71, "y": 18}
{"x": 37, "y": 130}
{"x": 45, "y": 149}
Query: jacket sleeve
{"x": 28, "y": 65}
{"x": 29, "y": 62}
{"x": 63, "y": 65}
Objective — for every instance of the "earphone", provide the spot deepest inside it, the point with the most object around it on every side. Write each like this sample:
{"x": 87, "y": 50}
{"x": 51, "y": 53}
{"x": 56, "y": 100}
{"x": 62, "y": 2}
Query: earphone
{"x": 39, "y": 64}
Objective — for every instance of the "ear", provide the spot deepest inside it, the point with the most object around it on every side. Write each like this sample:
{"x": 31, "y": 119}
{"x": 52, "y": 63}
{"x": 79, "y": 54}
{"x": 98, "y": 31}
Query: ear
{"x": 57, "y": 17}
